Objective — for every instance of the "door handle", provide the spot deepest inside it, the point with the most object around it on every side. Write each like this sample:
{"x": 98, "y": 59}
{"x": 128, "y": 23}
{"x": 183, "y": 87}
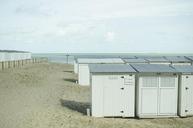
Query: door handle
{"x": 121, "y": 111}
{"x": 122, "y": 88}
{"x": 122, "y": 77}
{"x": 187, "y": 88}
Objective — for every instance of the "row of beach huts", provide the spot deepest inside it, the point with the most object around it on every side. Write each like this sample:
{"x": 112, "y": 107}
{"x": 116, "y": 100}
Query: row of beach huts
{"x": 12, "y": 59}
{"x": 138, "y": 86}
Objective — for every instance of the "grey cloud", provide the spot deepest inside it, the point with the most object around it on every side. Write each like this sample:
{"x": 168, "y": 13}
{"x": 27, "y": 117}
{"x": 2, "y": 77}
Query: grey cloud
{"x": 34, "y": 10}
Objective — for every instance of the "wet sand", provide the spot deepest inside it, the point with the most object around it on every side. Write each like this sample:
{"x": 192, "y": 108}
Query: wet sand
{"x": 47, "y": 96}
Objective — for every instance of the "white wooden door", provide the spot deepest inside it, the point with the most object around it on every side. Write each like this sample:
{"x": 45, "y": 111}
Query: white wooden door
{"x": 112, "y": 92}
{"x": 168, "y": 95}
{"x": 148, "y": 95}
{"x": 188, "y": 84}
{"x": 128, "y": 96}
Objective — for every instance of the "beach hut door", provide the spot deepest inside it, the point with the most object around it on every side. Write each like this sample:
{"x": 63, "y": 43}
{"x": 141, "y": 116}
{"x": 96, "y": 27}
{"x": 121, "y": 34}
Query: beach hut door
{"x": 112, "y": 94}
{"x": 168, "y": 95}
{"x": 128, "y": 96}
{"x": 149, "y": 95}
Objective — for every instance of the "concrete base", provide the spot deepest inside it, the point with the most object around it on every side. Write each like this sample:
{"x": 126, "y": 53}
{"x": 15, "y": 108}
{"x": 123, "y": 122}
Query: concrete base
{"x": 151, "y": 116}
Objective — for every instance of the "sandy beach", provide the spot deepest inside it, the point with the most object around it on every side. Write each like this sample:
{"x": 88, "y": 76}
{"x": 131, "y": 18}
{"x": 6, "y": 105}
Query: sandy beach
{"x": 47, "y": 96}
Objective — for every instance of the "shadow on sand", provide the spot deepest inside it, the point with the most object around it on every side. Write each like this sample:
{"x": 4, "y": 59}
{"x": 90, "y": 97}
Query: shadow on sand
{"x": 70, "y": 80}
{"x": 68, "y": 71}
{"x": 76, "y": 106}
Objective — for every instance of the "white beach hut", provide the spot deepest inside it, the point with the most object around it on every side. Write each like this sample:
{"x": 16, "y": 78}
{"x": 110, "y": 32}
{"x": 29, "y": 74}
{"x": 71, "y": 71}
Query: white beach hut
{"x": 83, "y": 68}
{"x": 178, "y": 60}
{"x": 75, "y": 66}
{"x": 185, "y": 90}
{"x": 156, "y": 91}
{"x": 2, "y": 56}
{"x": 8, "y": 55}
{"x": 18, "y": 56}
{"x": 26, "y": 55}
{"x": 113, "y": 90}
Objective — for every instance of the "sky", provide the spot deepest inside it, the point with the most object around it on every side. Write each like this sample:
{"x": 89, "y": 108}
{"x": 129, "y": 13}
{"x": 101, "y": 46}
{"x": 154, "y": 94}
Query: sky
{"x": 97, "y": 26}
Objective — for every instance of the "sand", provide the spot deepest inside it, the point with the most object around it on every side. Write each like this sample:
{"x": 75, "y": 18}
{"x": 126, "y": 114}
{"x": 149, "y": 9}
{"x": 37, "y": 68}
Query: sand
{"x": 47, "y": 96}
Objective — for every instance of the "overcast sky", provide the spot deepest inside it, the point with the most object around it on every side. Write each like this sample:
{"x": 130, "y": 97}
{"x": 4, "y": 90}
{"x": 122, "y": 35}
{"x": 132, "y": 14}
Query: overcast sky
{"x": 76, "y": 26}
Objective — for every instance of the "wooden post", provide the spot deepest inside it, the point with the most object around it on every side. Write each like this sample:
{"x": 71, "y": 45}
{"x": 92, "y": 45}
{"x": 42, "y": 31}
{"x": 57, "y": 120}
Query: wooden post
{"x": 14, "y": 64}
{"x": 5, "y": 65}
{"x": 19, "y": 63}
{"x": 9, "y": 64}
{"x": 2, "y": 65}
{"x": 88, "y": 112}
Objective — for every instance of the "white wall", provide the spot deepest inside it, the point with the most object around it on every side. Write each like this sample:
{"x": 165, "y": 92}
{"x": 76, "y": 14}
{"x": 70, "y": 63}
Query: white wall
{"x": 2, "y": 56}
{"x": 97, "y": 96}
{"x": 83, "y": 74}
{"x": 75, "y": 67}
{"x": 112, "y": 95}
{"x": 7, "y": 57}
{"x": 28, "y": 55}
{"x": 186, "y": 95}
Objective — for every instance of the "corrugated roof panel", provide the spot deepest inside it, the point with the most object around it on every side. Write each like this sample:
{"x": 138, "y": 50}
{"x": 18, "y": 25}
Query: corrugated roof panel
{"x": 184, "y": 68}
{"x": 100, "y": 61}
{"x": 110, "y": 68}
{"x": 96, "y": 56}
{"x": 128, "y": 57}
{"x": 190, "y": 57}
{"x": 177, "y": 59}
{"x": 148, "y": 56}
{"x": 103, "y": 56}
{"x": 153, "y": 68}
{"x": 157, "y": 59}
{"x": 138, "y": 60}
{"x": 14, "y": 51}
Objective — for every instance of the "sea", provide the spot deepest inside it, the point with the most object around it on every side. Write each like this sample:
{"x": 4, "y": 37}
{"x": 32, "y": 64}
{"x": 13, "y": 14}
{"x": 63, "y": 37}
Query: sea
{"x": 69, "y": 57}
